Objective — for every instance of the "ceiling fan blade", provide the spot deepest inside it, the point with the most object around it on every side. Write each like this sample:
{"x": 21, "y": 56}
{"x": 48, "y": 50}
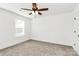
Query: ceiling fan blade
{"x": 26, "y": 9}
{"x": 43, "y": 9}
{"x": 30, "y": 13}
{"x": 39, "y": 13}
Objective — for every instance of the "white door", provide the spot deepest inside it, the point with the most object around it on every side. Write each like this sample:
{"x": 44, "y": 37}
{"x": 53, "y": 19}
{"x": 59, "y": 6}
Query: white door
{"x": 76, "y": 32}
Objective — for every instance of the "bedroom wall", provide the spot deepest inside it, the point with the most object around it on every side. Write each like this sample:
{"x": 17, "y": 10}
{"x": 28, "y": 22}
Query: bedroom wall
{"x": 55, "y": 29}
{"x": 7, "y": 29}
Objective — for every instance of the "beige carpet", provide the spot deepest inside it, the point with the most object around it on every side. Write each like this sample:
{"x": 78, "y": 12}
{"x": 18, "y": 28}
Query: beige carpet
{"x": 36, "y": 48}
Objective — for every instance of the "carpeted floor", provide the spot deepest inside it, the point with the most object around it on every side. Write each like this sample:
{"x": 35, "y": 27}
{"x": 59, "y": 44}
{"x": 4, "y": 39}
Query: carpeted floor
{"x": 36, "y": 48}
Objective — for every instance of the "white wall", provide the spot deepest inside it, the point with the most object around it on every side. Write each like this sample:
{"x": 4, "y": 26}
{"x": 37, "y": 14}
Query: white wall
{"x": 55, "y": 29}
{"x": 7, "y": 29}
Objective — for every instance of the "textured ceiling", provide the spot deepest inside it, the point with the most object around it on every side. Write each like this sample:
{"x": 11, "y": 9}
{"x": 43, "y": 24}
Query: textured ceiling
{"x": 54, "y": 8}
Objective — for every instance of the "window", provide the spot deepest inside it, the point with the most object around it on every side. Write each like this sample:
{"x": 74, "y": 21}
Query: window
{"x": 19, "y": 27}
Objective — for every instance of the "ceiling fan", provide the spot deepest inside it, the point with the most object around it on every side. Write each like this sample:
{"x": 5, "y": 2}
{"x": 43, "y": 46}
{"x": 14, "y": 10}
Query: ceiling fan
{"x": 35, "y": 8}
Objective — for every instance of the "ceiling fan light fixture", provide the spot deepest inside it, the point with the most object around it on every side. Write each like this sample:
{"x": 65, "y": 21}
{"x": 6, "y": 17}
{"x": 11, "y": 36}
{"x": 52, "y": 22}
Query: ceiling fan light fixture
{"x": 36, "y": 12}
{"x": 33, "y": 13}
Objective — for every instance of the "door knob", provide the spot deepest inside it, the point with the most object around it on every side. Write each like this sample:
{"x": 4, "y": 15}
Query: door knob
{"x": 74, "y": 31}
{"x": 74, "y": 44}
{"x": 74, "y": 18}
